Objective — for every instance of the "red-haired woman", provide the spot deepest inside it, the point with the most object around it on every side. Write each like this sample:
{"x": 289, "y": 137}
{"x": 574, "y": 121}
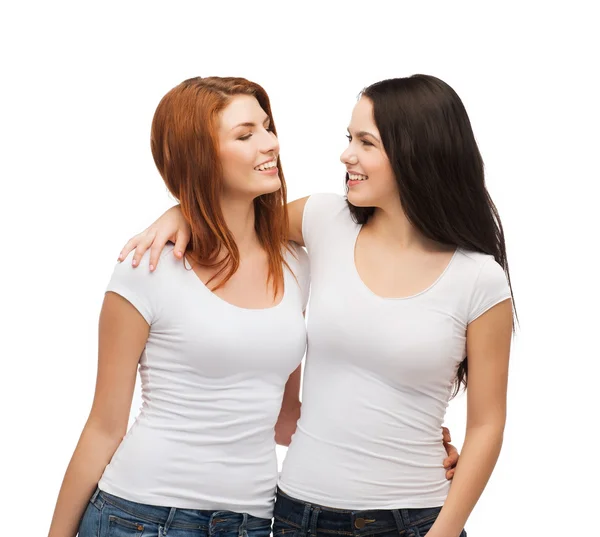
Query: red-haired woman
{"x": 409, "y": 278}
{"x": 216, "y": 338}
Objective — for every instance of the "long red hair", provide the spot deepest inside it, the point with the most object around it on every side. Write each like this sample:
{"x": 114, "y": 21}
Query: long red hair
{"x": 186, "y": 152}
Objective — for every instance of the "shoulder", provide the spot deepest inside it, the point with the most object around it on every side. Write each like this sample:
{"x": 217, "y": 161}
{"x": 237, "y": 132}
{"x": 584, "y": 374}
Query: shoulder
{"x": 325, "y": 202}
{"x": 168, "y": 262}
{"x": 478, "y": 264}
{"x": 324, "y": 214}
{"x": 142, "y": 288}
{"x": 488, "y": 282}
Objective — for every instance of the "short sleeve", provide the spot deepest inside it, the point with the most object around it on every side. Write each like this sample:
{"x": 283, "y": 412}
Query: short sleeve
{"x": 319, "y": 211}
{"x": 491, "y": 288}
{"x": 301, "y": 268}
{"x": 136, "y": 285}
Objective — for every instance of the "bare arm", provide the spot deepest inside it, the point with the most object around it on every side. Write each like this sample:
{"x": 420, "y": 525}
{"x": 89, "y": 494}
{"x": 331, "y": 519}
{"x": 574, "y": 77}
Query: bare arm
{"x": 171, "y": 226}
{"x": 488, "y": 349}
{"x": 123, "y": 333}
{"x": 296, "y": 212}
{"x": 290, "y": 409}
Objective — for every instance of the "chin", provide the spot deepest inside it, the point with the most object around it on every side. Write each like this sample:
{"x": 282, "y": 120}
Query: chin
{"x": 360, "y": 200}
{"x": 268, "y": 186}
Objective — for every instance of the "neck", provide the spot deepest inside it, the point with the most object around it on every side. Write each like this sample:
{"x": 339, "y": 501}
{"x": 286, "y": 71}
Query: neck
{"x": 239, "y": 217}
{"x": 391, "y": 225}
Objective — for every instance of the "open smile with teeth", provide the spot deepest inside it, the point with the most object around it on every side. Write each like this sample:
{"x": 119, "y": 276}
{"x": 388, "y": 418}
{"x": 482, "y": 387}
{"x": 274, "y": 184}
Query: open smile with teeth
{"x": 266, "y": 166}
{"x": 357, "y": 177}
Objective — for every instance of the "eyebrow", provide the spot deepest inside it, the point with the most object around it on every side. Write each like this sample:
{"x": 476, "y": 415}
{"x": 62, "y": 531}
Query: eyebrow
{"x": 251, "y": 124}
{"x": 364, "y": 133}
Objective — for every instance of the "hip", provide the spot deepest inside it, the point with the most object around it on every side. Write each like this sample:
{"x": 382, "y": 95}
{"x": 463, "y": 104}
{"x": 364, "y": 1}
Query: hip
{"x": 296, "y": 518}
{"x": 111, "y": 516}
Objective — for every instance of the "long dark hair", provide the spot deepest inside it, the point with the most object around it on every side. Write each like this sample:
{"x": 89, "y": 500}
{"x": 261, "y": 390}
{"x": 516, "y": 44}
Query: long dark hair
{"x": 428, "y": 138}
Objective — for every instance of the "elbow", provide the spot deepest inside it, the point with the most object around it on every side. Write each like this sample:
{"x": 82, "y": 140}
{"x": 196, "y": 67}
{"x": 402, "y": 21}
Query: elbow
{"x": 491, "y": 433}
{"x": 109, "y": 432}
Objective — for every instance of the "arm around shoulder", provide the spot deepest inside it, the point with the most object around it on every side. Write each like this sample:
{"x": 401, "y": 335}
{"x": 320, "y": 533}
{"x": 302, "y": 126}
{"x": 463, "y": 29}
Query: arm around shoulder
{"x": 295, "y": 214}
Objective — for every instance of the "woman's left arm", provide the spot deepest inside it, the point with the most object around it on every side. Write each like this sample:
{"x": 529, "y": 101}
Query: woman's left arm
{"x": 290, "y": 409}
{"x": 488, "y": 349}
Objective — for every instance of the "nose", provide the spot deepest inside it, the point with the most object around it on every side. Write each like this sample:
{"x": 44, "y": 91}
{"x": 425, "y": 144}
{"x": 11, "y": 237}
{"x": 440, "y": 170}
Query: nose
{"x": 269, "y": 143}
{"x": 348, "y": 157}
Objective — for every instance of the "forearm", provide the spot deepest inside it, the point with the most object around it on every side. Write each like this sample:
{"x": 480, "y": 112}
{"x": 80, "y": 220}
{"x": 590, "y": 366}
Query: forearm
{"x": 477, "y": 460}
{"x": 286, "y": 424}
{"x": 290, "y": 409}
{"x": 92, "y": 454}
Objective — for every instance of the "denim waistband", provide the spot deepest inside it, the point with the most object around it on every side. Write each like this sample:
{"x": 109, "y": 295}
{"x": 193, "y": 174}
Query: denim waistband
{"x": 310, "y": 518}
{"x": 172, "y": 517}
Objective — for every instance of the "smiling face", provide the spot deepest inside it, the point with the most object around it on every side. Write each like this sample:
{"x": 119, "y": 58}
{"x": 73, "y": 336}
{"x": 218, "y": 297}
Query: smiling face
{"x": 370, "y": 177}
{"x": 248, "y": 149}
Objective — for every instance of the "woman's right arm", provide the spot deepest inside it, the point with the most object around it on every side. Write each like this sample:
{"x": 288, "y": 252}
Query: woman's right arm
{"x": 296, "y": 212}
{"x": 123, "y": 333}
{"x": 172, "y": 226}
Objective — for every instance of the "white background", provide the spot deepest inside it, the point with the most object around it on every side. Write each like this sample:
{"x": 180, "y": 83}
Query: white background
{"x": 80, "y": 84}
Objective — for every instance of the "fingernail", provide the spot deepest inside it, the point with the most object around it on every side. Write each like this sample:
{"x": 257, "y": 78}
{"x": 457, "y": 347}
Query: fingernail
{"x": 179, "y": 254}
{"x": 134, "y": 262}
{"x": 151, "y": 268}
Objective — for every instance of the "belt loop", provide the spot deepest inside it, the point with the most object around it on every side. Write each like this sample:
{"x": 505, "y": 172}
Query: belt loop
{"x": 313, "y": 521}
{"x": 96, "y": 499}
{"x": 406, "y": 518}
{"x": 399, "y": 520}
{"x": 242, "y": 531}
{"x": 95, "y": 495}
{"x": 169, "y": 520}
{"x": 305, "y": 518}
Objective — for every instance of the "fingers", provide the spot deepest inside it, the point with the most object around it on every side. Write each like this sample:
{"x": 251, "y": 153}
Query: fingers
{"x": 142, "y": 246}
{"x": 452, "y": 459}
{"x": 446, "y": 435}
{"x": 149, "y": 239}
{"x": 181, "y": 242}
{"x": 131, "y": 245}
{"x": 157, "y": 247}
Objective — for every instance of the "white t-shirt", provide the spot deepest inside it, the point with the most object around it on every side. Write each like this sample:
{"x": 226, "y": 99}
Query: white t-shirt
{"x": 379, "y": 373}
{"x": 213, "y": 376}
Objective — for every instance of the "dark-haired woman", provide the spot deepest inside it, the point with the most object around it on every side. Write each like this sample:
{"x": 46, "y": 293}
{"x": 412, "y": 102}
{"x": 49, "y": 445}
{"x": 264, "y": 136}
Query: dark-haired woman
{"x": 409, "y": 286}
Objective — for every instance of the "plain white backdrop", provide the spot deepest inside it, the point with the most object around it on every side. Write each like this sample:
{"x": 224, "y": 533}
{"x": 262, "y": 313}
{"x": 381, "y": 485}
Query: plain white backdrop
{"x": 81, "y": 82}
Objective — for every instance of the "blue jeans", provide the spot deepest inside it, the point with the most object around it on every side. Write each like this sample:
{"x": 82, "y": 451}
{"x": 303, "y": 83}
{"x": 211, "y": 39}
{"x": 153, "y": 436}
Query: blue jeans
{"x": 295, "y": 518}
{"x": 109, "y": 516}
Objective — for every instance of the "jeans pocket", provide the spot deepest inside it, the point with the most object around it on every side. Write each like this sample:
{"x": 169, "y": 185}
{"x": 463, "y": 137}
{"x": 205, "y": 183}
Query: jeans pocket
{"x": 283, "y": 527}
{"x": 122, "y": 527}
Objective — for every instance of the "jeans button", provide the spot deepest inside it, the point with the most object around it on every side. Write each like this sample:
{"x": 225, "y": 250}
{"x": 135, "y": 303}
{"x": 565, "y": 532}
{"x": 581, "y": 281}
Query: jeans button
{"x": 360, "y": 523}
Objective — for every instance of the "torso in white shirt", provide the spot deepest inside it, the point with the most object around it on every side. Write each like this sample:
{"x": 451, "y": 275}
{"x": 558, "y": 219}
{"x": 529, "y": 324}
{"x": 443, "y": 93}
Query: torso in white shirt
{"x": 213, "y": 376}
{"x": 379, "y": 373}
